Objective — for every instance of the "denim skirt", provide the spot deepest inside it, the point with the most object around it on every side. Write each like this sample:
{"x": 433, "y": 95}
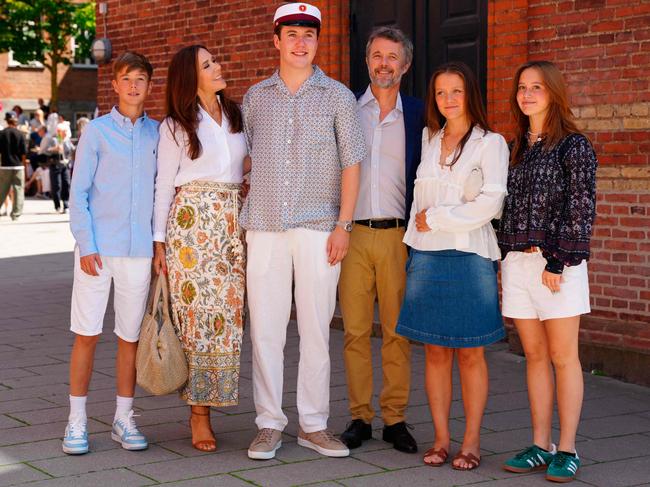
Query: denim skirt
{"x": 451, "y": 300}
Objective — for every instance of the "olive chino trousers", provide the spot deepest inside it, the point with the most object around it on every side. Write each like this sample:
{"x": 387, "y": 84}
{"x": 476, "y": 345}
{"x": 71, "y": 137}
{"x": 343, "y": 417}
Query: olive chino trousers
{"x": 374, "y": 268}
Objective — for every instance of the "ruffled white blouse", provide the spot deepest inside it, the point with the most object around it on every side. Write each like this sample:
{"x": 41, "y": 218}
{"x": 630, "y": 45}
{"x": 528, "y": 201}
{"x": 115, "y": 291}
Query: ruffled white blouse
{"x": 221, "y": 160}
{"x": 455, "y": 222}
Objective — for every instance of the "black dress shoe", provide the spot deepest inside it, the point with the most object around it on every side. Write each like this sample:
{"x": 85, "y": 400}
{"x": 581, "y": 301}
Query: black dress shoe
{"x": 356, "y": 432}
{"x": 399, "y": 436}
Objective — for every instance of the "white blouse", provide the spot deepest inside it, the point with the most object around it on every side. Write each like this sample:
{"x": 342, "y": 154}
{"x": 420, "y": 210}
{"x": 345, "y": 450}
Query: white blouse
{"x": 456, "y": 223}
{"x": 221, "y": 160}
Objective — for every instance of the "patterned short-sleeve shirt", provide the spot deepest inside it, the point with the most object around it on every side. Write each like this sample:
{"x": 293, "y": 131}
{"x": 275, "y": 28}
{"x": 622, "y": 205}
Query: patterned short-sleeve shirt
{"x": 299, "y": 144}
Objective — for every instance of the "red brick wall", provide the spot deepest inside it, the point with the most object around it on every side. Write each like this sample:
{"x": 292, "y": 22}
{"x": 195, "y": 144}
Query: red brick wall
{"x": 602, "y": 46}
{"x": 31, "y": 84}
{"x": 239, "y": 32}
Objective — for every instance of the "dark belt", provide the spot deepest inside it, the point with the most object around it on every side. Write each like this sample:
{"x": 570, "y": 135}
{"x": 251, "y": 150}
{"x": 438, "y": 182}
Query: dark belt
{"x": 381, "y": 224}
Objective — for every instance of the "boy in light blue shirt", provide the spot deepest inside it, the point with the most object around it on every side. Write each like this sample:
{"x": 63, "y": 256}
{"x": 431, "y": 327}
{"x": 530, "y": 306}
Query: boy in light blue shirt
{"x": 111, "y": 209}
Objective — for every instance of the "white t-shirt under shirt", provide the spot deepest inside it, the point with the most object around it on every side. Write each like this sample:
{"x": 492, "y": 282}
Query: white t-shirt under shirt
{"x": 221, "y": 160}
{"x": 456, "y": 223}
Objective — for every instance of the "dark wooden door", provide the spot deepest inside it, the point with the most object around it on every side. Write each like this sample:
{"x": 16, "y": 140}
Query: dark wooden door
{"x": 441, "y": 31}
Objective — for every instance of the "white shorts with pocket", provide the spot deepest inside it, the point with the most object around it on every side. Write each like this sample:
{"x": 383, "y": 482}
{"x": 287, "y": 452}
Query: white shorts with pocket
{"x": 525, "y": 297}
{"x": 131, "y": 277}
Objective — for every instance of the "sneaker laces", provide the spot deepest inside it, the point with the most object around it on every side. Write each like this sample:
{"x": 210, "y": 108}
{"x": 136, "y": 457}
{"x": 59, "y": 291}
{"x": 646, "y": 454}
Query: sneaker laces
{"x": 77, "y": 428}
{"x": 265, "y": 435}
{"x": 560, "y": 460}
{"x": 527, "y": 452}
{"x": 129, "y": 423}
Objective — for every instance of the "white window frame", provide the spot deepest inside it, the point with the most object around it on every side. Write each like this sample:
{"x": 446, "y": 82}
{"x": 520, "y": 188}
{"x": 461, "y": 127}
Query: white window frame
{"x": 88, "y": 62}
{"x": 12, "y": 63}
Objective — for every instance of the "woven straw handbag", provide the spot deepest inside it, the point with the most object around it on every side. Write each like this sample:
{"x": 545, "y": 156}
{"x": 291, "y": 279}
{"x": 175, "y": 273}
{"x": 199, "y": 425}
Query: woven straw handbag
{"x": 160, "y": 361}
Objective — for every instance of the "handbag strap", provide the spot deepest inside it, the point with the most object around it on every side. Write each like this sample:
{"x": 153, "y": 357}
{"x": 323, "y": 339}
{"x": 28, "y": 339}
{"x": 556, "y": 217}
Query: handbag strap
{"x": 161, "y": 288}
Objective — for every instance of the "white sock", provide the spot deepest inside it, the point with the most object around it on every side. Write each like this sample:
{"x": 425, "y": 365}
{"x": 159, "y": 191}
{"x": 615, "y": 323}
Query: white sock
{"x": 124, "y": 405}
{"x": 77, "y": 407}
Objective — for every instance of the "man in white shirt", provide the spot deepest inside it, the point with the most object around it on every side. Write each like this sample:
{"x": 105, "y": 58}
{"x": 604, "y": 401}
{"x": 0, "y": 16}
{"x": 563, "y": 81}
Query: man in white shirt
{"x": 375, "y": 264}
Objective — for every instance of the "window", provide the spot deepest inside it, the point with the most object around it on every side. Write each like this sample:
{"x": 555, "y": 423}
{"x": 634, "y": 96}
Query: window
{"x": 12, "y": 63}
{"x": 78, "y": 61}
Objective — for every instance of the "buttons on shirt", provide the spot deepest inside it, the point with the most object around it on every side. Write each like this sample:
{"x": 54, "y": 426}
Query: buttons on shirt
{"x": 286, "y": 183}
{"x": 288, "y": 141}
{"x": 288, "y": 162}
{"x": 284, "y": 204}
{"x": 290, "y": 120}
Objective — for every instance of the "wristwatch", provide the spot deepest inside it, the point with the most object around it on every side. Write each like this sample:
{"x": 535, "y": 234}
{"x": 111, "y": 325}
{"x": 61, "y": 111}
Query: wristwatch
{"x": 345, "y": 225}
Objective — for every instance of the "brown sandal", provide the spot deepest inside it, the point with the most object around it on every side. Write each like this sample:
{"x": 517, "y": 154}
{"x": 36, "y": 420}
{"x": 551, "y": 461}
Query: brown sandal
{"x": 440, "y": 452}
{"x": 207, "y": 446}
{"x": 472, "y": 461}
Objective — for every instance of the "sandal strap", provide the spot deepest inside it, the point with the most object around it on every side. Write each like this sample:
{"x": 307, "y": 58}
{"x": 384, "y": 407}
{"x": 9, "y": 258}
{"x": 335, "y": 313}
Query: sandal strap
{"x": 469, "y": 457}
{"x": 440, "y": 452}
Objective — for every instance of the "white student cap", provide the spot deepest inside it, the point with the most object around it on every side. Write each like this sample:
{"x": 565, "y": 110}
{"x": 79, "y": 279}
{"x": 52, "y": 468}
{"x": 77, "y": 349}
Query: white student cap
{"x": 297, "y": 14}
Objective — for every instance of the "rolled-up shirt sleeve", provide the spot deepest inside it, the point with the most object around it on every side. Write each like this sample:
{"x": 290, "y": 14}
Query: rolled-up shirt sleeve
{"x": 488, "y": 204}
{"x": 170, "y": 152}
{"x": 349, "y": 134}
{"x": 86, "y": 161}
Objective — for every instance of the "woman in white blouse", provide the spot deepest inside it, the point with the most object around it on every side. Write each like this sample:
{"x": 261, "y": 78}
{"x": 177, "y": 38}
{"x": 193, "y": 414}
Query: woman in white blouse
{"x": 201, "y": 158}
{"x": 451, "y": 301}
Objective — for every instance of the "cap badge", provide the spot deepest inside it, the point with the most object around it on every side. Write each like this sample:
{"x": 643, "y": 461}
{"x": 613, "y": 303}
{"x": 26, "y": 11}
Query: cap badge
{"x": 302, "y": 8}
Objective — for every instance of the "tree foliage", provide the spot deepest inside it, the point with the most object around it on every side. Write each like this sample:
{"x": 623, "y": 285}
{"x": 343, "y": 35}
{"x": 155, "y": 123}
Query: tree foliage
{"x": 41, "y": 30}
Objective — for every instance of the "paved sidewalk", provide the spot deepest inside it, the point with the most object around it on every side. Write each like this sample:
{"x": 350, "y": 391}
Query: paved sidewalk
{"x": 35, "y": 279}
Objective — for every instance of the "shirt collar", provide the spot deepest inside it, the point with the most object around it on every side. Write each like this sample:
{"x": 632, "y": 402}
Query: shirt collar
{"x": 317, "y": 78}
{"x": 477, "y": 133}
{"x": 368, "y": 96}
{"x": 121, "y": 120}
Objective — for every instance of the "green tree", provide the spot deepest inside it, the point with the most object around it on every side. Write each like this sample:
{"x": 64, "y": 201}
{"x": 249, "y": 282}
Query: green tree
{"x": 41, "y": 30}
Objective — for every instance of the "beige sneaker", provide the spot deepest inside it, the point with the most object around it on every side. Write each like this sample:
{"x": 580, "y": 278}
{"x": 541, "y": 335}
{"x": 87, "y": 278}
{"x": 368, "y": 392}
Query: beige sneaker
{"x": 265, "y": 444}
{"x": 323, "y": 442}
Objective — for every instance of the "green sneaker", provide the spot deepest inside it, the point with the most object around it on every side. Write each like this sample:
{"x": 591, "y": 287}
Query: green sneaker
{"x": 563, "y": 468}
{"x": 532, "y": 458}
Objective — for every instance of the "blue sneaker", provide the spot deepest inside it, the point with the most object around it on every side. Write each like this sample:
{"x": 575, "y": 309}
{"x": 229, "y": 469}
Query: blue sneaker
{"x": 126, "y": 433}
{"x": 75, "y": 441}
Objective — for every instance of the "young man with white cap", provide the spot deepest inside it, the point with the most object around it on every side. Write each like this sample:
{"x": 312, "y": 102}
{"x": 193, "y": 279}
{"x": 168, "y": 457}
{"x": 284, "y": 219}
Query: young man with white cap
{"x": 306, "y": 143}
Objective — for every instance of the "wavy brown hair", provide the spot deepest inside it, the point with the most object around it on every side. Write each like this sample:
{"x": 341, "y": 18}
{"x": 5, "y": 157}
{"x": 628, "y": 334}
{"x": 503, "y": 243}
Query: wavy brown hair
{"x": 559, "y": 120}
{"x": 475, "y": 109}
{"x": 182, "y": 101}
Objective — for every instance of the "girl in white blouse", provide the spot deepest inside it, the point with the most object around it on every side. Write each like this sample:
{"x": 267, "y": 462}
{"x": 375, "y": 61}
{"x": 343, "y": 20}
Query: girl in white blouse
{"x": 201, "y": 158}
{"x": 451, "y": 300}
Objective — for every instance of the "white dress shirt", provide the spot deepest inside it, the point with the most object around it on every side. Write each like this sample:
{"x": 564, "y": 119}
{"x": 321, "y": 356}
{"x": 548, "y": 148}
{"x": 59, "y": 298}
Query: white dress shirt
{"x": 456, "y": 223}
{"x": 221, "y": 160}
{"x": 382, "y": 183}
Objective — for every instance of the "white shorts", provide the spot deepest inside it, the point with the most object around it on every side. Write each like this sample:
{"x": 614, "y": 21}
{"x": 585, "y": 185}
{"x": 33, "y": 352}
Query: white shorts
{"x": 131, "y": 276}
{"x": 525, "y": 297}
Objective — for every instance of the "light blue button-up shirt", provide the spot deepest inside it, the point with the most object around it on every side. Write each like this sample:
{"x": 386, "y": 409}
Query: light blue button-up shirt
{"x": 111, "y": 196}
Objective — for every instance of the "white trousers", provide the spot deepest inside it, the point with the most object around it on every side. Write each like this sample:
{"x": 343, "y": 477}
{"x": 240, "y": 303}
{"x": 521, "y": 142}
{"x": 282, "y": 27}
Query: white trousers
{"x": 131, "y": 277}
{"x": 273, "y": 259}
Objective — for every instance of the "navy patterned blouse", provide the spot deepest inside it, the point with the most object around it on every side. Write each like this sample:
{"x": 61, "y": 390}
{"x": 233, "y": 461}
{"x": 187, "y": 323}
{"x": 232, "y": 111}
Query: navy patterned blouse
{"x": 551, "y": 202}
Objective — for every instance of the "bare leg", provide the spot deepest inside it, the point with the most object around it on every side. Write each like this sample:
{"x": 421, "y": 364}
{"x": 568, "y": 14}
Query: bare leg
{"x": 125, "y": 367}
{"x": 437, "y": 377}
{"x": 539, "y": 374}
{"x": 81, "y": 364}
{"x": 562, "y": 335}
{"x": 474, "y": 383}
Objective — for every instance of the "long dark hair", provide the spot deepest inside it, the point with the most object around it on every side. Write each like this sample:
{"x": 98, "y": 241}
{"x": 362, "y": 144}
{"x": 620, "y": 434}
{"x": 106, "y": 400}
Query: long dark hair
{"x": 475, "y": 108}
{"x": 559, "y": 118}
{"x": 182, "y": 101}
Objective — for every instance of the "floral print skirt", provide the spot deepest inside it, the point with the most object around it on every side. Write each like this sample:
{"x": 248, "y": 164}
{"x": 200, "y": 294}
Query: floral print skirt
{"x": 206, "y": 263}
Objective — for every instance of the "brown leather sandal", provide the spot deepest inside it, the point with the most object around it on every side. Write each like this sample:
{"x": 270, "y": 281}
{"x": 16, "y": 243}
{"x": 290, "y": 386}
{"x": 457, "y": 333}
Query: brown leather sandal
{"x": 440, "y": 452}
{"x": 472, "y": 461}
{"x": 207, "y": 446}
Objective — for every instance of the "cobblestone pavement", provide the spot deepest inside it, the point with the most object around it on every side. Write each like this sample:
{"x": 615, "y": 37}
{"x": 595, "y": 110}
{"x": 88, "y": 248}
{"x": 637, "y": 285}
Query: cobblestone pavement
{"x": 35, "y": 280}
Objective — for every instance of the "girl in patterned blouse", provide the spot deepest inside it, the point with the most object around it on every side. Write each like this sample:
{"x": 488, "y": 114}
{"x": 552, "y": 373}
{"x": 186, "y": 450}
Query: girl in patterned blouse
{"x": 544, "y": 238}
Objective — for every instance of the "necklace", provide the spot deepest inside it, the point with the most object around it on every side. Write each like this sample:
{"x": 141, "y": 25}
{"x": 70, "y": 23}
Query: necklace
{"x": 533, "y": 137}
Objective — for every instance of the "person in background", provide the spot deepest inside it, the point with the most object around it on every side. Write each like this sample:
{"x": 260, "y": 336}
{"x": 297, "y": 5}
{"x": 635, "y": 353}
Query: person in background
{"x": 13, "y": 153}
{"x": 544, "y": 235}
